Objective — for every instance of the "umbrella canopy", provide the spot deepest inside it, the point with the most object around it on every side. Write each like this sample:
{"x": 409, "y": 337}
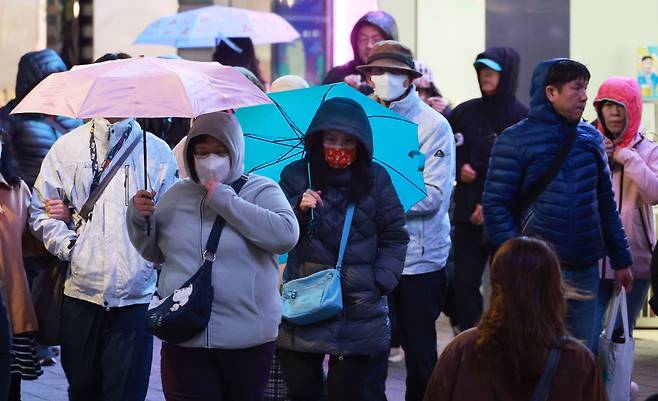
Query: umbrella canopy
{"x": 203, "y": 27}
{"x": 274, "y": 136}
{"x": 142, "y": 87}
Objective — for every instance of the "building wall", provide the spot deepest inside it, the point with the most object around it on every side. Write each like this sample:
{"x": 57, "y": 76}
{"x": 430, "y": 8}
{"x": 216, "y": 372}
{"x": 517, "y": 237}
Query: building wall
{"x": 22, "y": 29}
{"x": 118, "y": 23}
{"x": 446, "y": 35}
{"x": 605, "y": 37}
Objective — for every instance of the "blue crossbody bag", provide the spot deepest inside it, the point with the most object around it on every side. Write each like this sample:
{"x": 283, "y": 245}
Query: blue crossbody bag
{"x": 319, "y": 296}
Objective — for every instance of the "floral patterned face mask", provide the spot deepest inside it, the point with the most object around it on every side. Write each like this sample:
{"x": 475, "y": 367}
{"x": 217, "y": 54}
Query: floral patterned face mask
{"x": 339, "y": 157}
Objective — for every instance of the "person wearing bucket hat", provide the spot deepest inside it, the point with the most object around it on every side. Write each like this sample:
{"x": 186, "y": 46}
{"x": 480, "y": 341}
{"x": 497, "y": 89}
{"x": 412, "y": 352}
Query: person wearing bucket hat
{"x": 418, "y": 299}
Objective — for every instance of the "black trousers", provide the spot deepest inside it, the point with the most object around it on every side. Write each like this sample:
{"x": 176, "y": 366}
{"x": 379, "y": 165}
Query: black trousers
{"x": 106, "y": 355}
{"x": 200, "y": 374}
{"x": 470, "y": 256}
{"x": 305, "y": 377}
{"x": 418, "y": 301}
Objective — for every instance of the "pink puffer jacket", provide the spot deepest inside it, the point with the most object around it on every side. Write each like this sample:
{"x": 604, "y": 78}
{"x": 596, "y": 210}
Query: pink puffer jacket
{"x": 634, "y": 175}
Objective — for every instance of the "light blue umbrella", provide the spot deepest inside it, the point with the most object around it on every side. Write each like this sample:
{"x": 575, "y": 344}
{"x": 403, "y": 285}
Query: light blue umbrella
{"x": 206, "y": 26}
{"x": 274, "y": 136}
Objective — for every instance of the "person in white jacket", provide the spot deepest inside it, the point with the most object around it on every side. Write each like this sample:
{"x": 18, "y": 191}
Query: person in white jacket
{"x": 106, "y": 350}
{"x": 634, "y": 166}
{"x": 417, "y": 301}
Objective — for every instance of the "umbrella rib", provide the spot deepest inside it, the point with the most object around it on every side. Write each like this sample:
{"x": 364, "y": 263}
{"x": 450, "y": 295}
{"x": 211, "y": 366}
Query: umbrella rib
{"x": 284, "y": 157}
{"x": 327, "y": 92}
{"x": 400, "y": 174}
{"x": 285, "y": 115}
{"x": 274, "y": 141}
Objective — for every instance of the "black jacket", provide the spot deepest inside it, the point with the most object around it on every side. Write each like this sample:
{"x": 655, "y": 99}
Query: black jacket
{"x": 379, "y": 19}
{"x": 478, "y": 122}
{"x": 374, "y": 257}
{"x": 34, "y": 134}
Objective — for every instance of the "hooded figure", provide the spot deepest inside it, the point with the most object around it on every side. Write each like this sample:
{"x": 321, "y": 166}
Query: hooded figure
{"x": 634, "y": 162}
{"x": 576, "y": 211}
{"x": 381, "y": 21}
{"x": 373, "y": 261}
{"x": 246, "y": 308}
{"x": 476, "y": 124}
{"x": 34, "y": 134}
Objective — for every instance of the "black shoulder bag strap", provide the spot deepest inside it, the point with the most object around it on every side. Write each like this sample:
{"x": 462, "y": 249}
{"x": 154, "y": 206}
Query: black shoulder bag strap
{"x": 218, "y": 226}
{"x": 544, "y": 386}
{"x": 528, "y": 199}
{"x": 98, "y": 191}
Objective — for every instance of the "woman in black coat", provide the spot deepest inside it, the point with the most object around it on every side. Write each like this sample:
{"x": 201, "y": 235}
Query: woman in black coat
{"x": 339, "y": 147}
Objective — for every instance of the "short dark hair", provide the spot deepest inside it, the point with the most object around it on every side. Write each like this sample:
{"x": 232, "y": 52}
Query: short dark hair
{"x": 111, "y": 57}
{"x": 647, "y": 58}
{"x": 564, "y": 71}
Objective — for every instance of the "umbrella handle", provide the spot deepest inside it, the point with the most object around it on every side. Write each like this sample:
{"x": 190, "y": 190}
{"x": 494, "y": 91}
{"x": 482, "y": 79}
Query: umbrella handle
{"x": 148, "y": 220}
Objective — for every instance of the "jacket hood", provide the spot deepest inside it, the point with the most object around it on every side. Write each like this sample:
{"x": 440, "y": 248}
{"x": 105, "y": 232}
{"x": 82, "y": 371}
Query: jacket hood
{"x": 34, "y": 67}
{"x": 225, "y": 128}
{"x": 345, "y": 115}
{"x": 510, "y": 61}
{"x": 624, "y": 91}
{"x": 540, "y": 108}
{"x": 379, "y": 19}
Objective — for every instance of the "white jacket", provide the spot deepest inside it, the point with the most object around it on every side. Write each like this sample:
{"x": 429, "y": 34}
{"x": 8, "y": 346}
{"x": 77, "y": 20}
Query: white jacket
{"x": 427, "y": 221}
{"x": 105, "y": 269}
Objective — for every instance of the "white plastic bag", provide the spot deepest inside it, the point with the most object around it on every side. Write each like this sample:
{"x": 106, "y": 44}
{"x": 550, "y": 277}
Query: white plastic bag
{"x": 616, "y": 359}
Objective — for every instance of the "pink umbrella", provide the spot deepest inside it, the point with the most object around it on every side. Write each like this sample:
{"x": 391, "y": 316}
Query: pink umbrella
{"x": 142, "y": 87}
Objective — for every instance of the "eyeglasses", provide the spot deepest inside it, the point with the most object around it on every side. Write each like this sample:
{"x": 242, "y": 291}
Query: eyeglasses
{"x": 366, "y": 40}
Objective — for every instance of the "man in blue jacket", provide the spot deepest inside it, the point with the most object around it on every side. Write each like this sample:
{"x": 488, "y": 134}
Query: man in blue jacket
{"x": 576, "y": 211}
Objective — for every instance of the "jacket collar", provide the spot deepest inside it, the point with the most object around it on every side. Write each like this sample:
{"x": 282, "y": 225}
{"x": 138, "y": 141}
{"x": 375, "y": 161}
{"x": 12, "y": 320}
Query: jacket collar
{"x": 405, "y": 105}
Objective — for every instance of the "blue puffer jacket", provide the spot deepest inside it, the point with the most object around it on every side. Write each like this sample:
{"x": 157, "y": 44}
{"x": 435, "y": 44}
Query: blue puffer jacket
{"x": 34, "y": 134}
{"x": 375, "y": 253}
{"x": 576, "y": 212}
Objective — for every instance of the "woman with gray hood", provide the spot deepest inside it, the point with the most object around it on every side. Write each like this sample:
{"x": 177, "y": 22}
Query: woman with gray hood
{"x": 230, "y": 359}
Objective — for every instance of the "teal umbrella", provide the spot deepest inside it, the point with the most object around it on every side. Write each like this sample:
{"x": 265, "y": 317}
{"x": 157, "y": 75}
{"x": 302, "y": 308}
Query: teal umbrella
{"x": 274, "y": 136}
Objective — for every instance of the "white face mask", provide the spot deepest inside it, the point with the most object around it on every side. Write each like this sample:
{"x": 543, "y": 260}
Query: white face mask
{"x": 389, "y": 86}
{"x": 212, "y": 167}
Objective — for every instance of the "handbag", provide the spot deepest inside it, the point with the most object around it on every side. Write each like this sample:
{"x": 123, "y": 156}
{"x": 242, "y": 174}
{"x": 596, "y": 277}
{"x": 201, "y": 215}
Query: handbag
{"x": 319, "y": 296}
{"x": 186, "y": 312}
{"x": 616, "y": 354}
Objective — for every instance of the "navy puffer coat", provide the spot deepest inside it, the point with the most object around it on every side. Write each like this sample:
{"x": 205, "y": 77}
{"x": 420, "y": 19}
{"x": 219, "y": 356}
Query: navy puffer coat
{"x": 34, "y": 134}
{"x": 576, "y": 212}
{"x": 375, "y": 252}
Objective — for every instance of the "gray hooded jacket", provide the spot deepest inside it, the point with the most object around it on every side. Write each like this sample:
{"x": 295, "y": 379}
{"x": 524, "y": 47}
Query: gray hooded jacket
{"x": 259, "y": 225}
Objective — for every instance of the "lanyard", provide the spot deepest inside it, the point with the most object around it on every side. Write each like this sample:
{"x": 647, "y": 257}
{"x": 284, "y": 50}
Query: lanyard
{"x": 98, "y": 173}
